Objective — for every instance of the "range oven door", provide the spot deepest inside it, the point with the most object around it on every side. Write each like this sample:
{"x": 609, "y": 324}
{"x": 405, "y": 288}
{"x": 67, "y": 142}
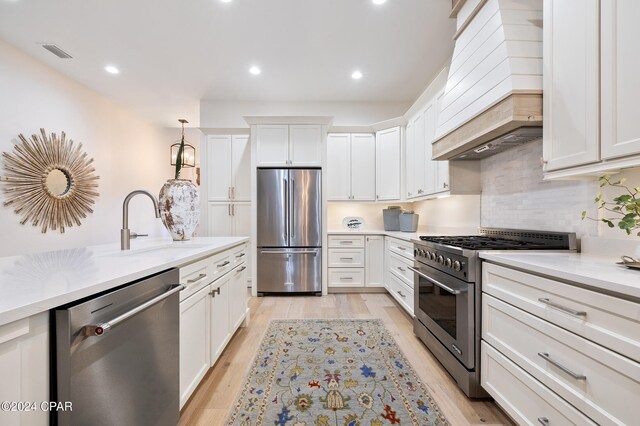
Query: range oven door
{"x": 445, "y": 306}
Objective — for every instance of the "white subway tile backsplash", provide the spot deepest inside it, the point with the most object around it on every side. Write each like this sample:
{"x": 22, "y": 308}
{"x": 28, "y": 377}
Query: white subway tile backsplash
{"x": 515, "y": 196}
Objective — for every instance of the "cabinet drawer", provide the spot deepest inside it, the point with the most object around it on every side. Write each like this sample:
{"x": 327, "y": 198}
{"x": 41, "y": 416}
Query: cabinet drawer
{"x": 238, "y": 255}
{"x": 607, "y": 320}
{"x": 400, "y": 247}
{"x": 194, "y": 276}
{"x": 524, "y": 398}
{"x": 399, "y": 265}
{"x": 221, "y": 263}
{"x": 401, "y": 293}
{"x": 346, "y": 258}
{"x": 346, "y": 241}
{"x": 346, "y": 277}
{"x": 600, "y": 383}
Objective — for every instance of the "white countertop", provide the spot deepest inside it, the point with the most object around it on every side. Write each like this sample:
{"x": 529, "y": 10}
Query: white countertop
{"x": 37, "y": 282}
{"x": 407, "y": 236}
{"x": 589, "y": 270}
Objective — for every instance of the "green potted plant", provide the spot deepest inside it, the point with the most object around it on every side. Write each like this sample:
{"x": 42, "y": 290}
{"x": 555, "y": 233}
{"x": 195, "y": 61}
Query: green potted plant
{"x": 623, "y": 210}
{"x": 180, "y": 200}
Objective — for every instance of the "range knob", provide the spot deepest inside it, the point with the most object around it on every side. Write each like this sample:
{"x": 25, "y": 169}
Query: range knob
{"x": 457, "y": 265}
{"x": 432, "y": 256}
{"x": 440, "y": 259}
{"x": 447, "y": 262}
{"x": 416, "y": 252}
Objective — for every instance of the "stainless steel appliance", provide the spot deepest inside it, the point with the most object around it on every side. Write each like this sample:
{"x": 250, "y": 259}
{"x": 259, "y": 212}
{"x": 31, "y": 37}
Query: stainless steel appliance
{"x": 116, "y": 356}
{"x": 447, "y": 290}
{"x": 289, "y": 231}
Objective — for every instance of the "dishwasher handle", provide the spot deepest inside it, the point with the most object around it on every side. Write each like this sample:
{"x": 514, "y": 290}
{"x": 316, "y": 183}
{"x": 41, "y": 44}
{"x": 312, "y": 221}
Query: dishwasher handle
{"x": 105, "y": 327}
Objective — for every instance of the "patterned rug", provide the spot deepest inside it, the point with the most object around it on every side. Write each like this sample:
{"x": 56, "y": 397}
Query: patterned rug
{"x": 332, "y": 372}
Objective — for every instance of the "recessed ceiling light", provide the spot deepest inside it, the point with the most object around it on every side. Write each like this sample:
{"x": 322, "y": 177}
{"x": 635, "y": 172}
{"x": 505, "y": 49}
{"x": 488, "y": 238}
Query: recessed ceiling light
{"x": 356, "y": 75}
{"x": 254, "y": 70}
{"x": 379, "y": 1}
{"x": 225, "y": 1}
{"x": 111, "y": 69}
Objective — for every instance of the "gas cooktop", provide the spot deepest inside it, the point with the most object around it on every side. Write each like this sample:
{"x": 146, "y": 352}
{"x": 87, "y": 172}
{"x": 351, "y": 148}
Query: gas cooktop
{"x": 481, "y": 242}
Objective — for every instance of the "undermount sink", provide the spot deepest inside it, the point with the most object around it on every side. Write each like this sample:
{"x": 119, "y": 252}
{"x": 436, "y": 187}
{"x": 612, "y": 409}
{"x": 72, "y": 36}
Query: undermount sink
{"x": 161, "y": 250}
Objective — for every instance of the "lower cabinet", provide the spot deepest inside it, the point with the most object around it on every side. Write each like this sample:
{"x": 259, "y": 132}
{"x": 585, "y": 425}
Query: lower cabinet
{"x": 213, "y": 306}
{"x": 374, "y": 261}
{"x": 24, "y": 368}
{"x": 356, "y": 261}
{"x": 398, "y": 278}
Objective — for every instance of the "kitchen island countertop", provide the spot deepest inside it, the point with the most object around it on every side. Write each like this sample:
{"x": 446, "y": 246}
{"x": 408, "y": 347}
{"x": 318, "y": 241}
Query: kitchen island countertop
{"x": 34, "y": 283}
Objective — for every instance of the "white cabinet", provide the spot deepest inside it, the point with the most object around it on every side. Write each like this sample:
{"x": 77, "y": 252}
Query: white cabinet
{"x": 423, "y": 176}
{"x": 620, "y": 90}
{"x": 351, "y": 170}
{"x": 228, "y": 168}
{"x": 590, "y": 89}
{"x": 281, "y": 145}
{"x": 24, "y": 368}
{"x": 194, "y": 342}
{"x": 571, "y": 83}
{"x": 398, "y": 278}
{"x": 374, "y": 261}
{"x": 219, "y": 317}
{"x": 237, "y": 297}
{"x": 229, "y": 220}
{"x": 388, "y": 164}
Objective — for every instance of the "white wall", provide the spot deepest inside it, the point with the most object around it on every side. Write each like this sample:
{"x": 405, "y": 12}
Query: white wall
{"x": 223, "y": 114}
{"x": 129, "y": 153}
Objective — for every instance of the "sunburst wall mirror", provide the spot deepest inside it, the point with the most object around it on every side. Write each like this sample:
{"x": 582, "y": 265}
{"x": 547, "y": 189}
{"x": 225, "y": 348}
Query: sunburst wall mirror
{"x": 49, "y": 181}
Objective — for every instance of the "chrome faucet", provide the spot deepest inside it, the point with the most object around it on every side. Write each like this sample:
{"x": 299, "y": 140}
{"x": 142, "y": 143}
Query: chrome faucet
{"x": 125, "y": 232}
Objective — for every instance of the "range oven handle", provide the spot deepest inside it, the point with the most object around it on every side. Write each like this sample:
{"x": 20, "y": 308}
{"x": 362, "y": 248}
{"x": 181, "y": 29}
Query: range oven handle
{"x": 103, "y": 328}
{"x": 438, "y": 283}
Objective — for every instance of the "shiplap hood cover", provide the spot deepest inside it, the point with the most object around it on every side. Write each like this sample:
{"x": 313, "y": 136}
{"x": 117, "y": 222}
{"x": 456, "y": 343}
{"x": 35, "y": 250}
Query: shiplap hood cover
{"x": 493, "y": 96}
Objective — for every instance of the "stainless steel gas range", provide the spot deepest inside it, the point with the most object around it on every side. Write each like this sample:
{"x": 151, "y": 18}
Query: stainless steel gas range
{"x": 447, "y": 289}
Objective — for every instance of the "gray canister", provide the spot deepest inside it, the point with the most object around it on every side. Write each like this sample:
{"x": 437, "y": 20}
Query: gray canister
{"x": 391, "y": 218}
{"x": 408, "y": 221}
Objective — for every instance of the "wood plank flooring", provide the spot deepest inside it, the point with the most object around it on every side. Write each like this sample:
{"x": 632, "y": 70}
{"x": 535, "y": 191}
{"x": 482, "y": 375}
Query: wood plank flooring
{"x": 214, "y": 397}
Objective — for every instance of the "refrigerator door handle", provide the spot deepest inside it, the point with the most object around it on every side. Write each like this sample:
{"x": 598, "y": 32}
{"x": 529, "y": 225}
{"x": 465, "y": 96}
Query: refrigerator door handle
{"x": 313, "y": 252}
{"x": 292, "y": 209}
{"x": 286, "y": 209}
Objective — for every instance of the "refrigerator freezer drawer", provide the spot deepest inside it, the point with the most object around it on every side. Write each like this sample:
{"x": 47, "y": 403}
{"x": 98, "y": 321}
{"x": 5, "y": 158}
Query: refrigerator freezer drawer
{"x": 289, "y": 270}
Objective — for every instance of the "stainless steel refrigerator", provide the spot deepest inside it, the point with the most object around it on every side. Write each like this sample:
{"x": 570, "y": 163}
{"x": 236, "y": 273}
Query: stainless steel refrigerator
{"x": 289, "y": 231}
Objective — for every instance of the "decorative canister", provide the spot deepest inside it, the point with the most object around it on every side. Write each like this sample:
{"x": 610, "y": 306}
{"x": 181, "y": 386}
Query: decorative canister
{"x": 180, "y": 208}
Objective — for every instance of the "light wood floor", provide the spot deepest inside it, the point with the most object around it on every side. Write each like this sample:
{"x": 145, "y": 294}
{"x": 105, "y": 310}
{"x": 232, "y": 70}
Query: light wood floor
{"x": 214, "y": 397}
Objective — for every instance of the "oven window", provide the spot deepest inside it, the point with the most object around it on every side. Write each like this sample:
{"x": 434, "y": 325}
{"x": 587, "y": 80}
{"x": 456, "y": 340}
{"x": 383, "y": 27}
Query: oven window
{"x": 439, "y": 305}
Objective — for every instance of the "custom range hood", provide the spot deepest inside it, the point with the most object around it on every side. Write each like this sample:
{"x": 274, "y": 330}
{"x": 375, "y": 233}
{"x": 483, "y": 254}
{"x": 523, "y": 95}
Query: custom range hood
{"x": 493, "y": 96}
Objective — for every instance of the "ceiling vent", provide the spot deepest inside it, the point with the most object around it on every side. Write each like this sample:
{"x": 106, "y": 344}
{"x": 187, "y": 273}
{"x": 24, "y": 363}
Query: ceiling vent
{"x": 57, "y": 51}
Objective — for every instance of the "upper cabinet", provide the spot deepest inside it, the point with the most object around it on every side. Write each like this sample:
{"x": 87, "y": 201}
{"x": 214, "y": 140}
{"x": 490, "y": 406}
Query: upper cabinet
{"x": 590, "y": 89}
{"x": 619, "y": 80}
{"x": 388, "y": 164}
{"x": 351, "y": 170}
{"x": 228, "y": 168}
{"x": 281, "y": 145}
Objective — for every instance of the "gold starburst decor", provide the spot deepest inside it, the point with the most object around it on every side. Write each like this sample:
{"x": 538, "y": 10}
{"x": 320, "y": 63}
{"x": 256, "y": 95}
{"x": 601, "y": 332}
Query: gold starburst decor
{"x": 49, "y": 181}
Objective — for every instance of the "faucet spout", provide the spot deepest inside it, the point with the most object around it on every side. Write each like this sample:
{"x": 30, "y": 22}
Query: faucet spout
{"x": 125, "y": 232}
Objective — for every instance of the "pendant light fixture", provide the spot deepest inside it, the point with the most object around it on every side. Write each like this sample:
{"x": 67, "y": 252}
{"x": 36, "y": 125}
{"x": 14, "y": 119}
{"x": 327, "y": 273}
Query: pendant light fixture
{"x": 188, "y": 152}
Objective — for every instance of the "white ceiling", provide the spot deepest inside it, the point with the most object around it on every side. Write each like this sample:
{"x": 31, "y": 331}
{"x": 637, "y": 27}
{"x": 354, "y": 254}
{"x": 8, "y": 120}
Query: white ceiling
{"x": 172, "y": 54}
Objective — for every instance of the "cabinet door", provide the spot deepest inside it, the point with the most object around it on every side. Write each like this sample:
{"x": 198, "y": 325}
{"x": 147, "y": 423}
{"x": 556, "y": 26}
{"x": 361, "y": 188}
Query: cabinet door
{"x": 219, "y": 317}
{"x": 237, "y": 297}
{"x": 620, "y": 90}
{"x": 374, "y": 261}
{"x": 388, "y": 148}
{"x": 431, "y": 167}
{"x": 272, "y": 145}
{"x": 219, "y": 168}
{"x": 419, "y": 159}
{"x": 571, "y": 81}
{"x": 241, "y": 213}
{"x": 219, "y": 220}
{"x": 339, "y": 167}
{"x": 363, "y": 167}
{"x": 241, "y": 167}
{"x": 194, "y": 342}
{"x": 409, "y": 169}
{"x": 305, "y": 145}
{"x": 441, "y": 168}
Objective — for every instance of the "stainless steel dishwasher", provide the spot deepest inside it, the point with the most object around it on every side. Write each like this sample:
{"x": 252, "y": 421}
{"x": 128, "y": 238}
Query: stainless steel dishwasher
{"x": 116, "y": 356}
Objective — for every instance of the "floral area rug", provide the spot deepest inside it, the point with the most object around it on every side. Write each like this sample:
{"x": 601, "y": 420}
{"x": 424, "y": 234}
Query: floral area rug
{"x": 332, "y": 372}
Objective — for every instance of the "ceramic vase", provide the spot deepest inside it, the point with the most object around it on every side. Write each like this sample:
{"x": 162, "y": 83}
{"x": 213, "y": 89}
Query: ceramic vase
{"x": 180, "y": 208}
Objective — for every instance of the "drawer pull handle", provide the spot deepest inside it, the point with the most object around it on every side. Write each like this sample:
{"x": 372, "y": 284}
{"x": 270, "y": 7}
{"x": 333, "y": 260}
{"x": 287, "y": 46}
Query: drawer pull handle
{"x": 242, "y": 269}
{"x": 573, "y": 374}
{"x": 346, "y": 258}
{"x": 543, "y": 421}
{"x": 401, "y": 269}
{"x": 563, "y": 308}
{"x": 346, "y": 278}
{"x": 223, "y": 264}
{"x": 400, "y": 293}
{"x": 346, "y": 242}
{"x": 195, "y": 280}
{"x": 401, "y": 248}
{"x": 238, "y": 256}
